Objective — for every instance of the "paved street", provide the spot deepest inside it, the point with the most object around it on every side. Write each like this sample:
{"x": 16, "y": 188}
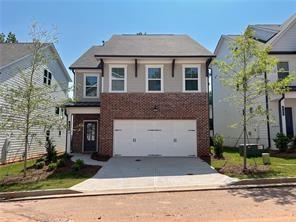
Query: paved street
{"x": 264, "y": 205}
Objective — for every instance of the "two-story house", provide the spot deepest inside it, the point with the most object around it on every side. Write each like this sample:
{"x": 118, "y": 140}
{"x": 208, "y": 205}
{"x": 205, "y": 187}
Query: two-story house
{"x": 282, "y": 40}
{"x": 142, "y": 95}
{"x": 16, "y": 59}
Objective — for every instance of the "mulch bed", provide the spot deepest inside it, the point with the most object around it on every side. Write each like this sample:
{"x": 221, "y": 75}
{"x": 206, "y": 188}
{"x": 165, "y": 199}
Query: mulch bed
{"x": 265, "y": 181}
{"x": 288, "y": 154}
{"x": 238, "y": 169}
{"x": 34, "y": 175}
{"x": 99, "y": 157}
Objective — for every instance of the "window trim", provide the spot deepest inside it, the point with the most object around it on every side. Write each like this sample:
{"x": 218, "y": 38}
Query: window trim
{"x": 47, "y": 78}
{"x": 277, "y": 70}
{"x": 111, "y": 78}
{"x": 147, "y": 79}
{"x": 198, "y": 66}
{"x": 84, "y": 85}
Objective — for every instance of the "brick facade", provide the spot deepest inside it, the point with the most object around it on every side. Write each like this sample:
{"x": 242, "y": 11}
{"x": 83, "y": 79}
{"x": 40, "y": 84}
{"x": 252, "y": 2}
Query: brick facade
{"x": 78, "y": 130}
{"x": 141, "y": 106}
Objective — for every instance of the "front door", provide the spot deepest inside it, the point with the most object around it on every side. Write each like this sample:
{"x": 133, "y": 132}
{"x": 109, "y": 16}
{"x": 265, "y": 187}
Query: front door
{"x": 90, "y": 136}
{"x": 289, "y": 121}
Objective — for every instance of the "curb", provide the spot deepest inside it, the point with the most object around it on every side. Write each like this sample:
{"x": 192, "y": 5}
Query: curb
{"x": 68, "y": 193}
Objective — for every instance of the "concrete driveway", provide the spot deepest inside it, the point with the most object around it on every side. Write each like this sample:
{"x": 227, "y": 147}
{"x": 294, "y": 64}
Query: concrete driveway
{"x": 121, "y": 174}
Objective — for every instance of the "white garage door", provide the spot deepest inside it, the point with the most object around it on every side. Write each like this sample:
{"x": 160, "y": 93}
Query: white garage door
{"x": 155, "y": 137}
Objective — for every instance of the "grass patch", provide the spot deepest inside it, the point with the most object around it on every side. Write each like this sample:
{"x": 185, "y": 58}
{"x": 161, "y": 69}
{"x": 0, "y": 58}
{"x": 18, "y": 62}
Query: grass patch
{"x": 11, "y": 176}
{"x": 232, "y": 166}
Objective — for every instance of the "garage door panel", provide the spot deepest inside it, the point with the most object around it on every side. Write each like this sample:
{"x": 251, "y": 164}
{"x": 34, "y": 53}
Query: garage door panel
{"x": 155, "y": 137}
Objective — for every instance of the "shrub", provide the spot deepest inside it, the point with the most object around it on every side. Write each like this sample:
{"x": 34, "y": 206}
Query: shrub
{"x": 78, "y": 165}
{"x": 61, "y": 163}
{"x": 293, "y": 147}
{"x": 39, "y": 164}
{"x": 281, "y": 142}
{"x": 51, "y": 153}
{"x": 41, "y": 159}
{"x": 218, "y": 141}
{"x": 52, "y": 166}
{"x": 66, "y": 156}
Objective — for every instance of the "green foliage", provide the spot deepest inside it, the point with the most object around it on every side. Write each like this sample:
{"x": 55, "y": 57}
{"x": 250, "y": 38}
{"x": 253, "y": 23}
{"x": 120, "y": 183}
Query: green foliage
{"x": 2, "y": 37}
{"x": 66, "y": 156}
{"x": 61, "y": 163}
{"x": 11, "y": 38}
{"x": 293, "y": 148}
{"x": 52, "y": 166}
{"x": 78, "y": 165}
{"x": 218, "y": 141}
{"x": 51, "y": 153}
{"x": 39, "y": 165}
{"x": 281, "y": 142}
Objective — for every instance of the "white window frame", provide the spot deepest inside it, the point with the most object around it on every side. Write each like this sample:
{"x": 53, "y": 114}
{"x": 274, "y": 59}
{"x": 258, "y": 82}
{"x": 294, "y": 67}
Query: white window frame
{"x": 84, "y": 84}
{"x": 277, "y": 70}
{"x": 161, "y": 78}
{"x": 198, "y": 66}
{"x": 112, "y": 78}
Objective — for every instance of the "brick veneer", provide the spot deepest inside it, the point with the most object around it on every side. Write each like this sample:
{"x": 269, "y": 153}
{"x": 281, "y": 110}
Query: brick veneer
{"x": 141, "y": 105}
{"x": 78, "y": 129}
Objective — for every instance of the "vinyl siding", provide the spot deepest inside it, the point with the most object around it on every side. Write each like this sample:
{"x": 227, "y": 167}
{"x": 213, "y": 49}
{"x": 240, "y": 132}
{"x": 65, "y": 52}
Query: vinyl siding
{"x": 10, "y": 76}
{"x": 288, "y": 40}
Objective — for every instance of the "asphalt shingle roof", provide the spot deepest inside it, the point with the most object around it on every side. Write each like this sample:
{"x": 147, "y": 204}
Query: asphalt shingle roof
{"x": 141, "y": 46}
{"x": 10, "y": 52}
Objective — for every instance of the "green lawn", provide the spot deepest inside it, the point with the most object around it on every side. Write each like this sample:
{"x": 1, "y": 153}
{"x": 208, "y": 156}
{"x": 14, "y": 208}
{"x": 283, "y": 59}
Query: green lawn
{"x": 54, "y": 181}
{"x": 280, "y": 167}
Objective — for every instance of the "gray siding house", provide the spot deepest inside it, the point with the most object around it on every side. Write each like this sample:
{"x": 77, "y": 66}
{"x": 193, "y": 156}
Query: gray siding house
{"x": 13, "y": 58}
{"x": 282, "y": 40}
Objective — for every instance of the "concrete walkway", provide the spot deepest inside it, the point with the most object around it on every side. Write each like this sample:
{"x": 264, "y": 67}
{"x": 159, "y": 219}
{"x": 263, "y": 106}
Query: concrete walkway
{"x": 87, "y": 160}
{"x": 153, "y": 174}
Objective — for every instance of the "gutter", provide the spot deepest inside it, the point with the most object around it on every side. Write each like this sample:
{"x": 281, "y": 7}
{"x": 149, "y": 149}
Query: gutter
{"x": 158, "y": 56}
{"x": 280, "y": 112}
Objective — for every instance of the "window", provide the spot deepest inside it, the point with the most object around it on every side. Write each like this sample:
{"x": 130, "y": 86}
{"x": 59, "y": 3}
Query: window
{"x": 60, "y": 133}
{"x": 154, "y": 77}
{"x": 91, "y": 88}
{"x": 118, "y": 78}
{"x": 47, "y": 135}
{"x": 57, "y": 110}
{"x": 283, "y": 70}
{"x": 191, "y": 78}
{"x": 91, "y": 131}
{"x": 47, "y": 77}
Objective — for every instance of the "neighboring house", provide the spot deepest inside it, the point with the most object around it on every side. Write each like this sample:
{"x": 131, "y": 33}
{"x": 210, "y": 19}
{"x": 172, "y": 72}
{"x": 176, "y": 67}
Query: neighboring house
{"x": 282, "y": 40}
{"x": 13, "y": 58}
{"x": 142, "y": 95}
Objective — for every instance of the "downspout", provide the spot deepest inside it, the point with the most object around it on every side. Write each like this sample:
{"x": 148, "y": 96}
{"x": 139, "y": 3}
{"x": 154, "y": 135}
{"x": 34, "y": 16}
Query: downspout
{"x": 280, "y": 113}
{"x": 209, "y": 95}
{"x": 66, "y": 114}
{"x": 267, "y": 110}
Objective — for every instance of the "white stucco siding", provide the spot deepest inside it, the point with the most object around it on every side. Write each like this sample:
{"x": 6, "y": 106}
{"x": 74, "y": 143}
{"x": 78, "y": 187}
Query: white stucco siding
{"x": 10, "y": 76}
{"x": 287, "y": 41}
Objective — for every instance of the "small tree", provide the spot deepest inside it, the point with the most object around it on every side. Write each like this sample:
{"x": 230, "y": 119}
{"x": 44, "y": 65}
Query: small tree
{"x": 11, "y": 38}
{"x": 31, "y": 105}
{"x": 2, "y": 37}
{"x": 243, "y": 72}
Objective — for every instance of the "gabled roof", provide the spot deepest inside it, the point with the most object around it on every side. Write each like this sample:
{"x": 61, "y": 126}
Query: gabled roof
{"x": 13, "y": 52}
{"x": 158, "y": 45}
{"x": 265, "y": 33}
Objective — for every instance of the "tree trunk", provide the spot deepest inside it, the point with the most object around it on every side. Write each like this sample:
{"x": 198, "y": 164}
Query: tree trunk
{"x": 25, "y": 155}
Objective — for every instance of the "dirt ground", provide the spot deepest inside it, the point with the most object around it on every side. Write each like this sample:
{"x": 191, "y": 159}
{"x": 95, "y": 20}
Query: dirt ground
{"x": 250, "y": 205}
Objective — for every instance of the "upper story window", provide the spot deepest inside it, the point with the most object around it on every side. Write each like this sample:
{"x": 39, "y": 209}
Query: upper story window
{"x": 118, "y": 78}
{"x": 47, "y": 77}
{"x": 191, "y": 78}
{"x": 154, "y": 78}
{"x": 91, "y": 85}
{"x": 282, "y": 70}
